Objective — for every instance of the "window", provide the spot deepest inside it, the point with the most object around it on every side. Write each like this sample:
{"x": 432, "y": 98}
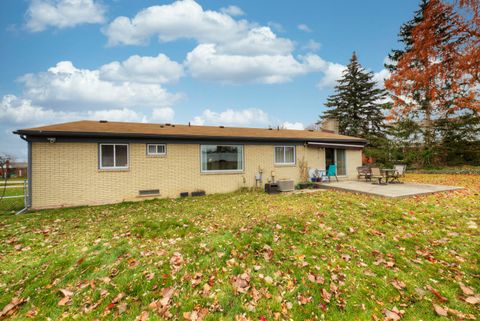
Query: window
{"x": 341, "y": 162}
{"x": 338, "y": 157}
{"x": 221, "y": 158}
{"x": 285, "y": 155}
{"x": 156, "y": 149}
{"x": 113, "y": 156}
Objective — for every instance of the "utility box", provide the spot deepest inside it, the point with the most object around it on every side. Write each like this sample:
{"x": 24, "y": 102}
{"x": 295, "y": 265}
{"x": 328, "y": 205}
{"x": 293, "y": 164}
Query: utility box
{"x": 271, "y": 188}
{"x": 286, "y": 185}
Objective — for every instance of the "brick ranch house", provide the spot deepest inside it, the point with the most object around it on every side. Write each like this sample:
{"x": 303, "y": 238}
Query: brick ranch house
{"x": 100, "y": 162}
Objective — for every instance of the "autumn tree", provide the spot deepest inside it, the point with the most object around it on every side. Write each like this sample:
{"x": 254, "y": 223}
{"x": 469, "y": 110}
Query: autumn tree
{"x": 429, "y": 80}
{"x": 357, "y": 102}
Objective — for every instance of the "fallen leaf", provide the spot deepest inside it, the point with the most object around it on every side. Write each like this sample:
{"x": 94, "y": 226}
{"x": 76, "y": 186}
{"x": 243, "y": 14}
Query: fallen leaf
{"x": 398, "y": 284}
{"x": 473, "y": 299}
{"x": 12, "y": 307}
{"x": 466, "y": 289}
{"x": 439, "y": 310}
{"x": 142, "y": 317}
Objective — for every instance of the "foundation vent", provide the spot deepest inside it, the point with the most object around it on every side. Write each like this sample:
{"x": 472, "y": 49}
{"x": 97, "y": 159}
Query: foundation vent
{"x": 148, "y": 192}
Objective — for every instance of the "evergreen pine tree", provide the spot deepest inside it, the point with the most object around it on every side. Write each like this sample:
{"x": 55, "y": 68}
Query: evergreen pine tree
{"x": 356, "y": 103}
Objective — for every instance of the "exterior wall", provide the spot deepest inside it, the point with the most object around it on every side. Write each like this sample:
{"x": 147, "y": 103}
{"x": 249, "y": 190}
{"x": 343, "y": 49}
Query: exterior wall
{"x": 67, "y": 174}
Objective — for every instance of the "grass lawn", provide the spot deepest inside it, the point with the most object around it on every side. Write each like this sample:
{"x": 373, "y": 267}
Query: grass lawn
{"x": 249, "y": 256}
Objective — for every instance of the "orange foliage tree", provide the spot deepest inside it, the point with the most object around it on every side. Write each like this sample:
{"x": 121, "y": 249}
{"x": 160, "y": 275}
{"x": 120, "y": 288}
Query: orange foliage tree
{"x": 438, "y": 74}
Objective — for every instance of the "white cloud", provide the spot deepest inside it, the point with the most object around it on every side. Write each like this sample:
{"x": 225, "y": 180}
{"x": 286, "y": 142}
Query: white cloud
{"x": 380, "y": 77}
{"x": 22, "y": 112}
{"x": 206, "y": 63}
{"x": 296, "y": 125}
{"x": 67, "y": 87}
{"x": 232, "y": 11}
{"x": 231, "y": 117}
{"x": 154, "y": 70}
{"x": 180, "y": 19}
{"x": 303, "y": 27}
{"x": 312, "y": 45}
{"x": 186, "y": 19}
{"x": 42, "y": 14}
{"x": 165, "y": 114}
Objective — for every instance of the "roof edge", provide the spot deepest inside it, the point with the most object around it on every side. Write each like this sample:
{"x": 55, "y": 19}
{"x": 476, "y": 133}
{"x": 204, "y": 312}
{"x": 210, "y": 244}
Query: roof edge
{"x": 31, "y": 133}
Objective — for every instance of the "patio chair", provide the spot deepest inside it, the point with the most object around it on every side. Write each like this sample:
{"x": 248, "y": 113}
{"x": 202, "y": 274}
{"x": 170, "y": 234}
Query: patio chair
{"x": 364, "y": 171}
{"x": 399, "y": 172}
{"x": 377, "y": 175}
{"x": 332, "y": 171}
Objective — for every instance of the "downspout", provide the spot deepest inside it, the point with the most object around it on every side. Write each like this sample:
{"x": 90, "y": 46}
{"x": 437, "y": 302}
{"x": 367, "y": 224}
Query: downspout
{"x": 28, "y": 203}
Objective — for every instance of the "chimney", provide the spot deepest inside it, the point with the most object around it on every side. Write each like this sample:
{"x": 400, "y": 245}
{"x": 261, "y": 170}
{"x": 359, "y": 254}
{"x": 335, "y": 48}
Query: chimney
{"x": 330, "y": 125}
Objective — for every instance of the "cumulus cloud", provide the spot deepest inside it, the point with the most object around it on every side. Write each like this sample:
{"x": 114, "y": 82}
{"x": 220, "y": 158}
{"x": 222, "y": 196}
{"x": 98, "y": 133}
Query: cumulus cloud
{"x": 232, "y": 11}
{"x": 186, "y": 19}
{"x": 154, "y": 70}
{"x": 303, "y": 27}
{"x": 231, "y": 117}
{"x": 206, "y": 63}
{"x": 165, "y": 114}
{"x": 22, "y": 112}
{"x": 296, "y": 125}
{"x": 312, "y": 45}
{"x": 67, "y": 87}
{"x": 42, "y": 14}
{"x": 380, "y": 77}
{"x": 180, "y": 19}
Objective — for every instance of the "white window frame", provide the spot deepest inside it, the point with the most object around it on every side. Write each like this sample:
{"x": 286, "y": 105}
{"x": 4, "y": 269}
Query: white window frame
{"x": 206, "y": 171}
{"x": 156, "y": 149}
{"x": 284, "y": 154}
{"x": 114, "y": 156}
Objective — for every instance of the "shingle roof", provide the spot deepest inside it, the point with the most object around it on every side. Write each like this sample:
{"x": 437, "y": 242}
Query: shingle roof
{"x": 125, "y": 129}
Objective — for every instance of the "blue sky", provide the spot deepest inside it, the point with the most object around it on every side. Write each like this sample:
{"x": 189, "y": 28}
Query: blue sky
{"x": 235, "y": 63}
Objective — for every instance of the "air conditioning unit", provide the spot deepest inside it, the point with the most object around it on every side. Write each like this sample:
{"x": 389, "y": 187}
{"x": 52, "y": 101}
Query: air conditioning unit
{"x": 286, "y": 185}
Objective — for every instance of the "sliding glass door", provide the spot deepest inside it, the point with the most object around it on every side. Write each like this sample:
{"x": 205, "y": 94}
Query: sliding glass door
{"x": 338, "y": 157}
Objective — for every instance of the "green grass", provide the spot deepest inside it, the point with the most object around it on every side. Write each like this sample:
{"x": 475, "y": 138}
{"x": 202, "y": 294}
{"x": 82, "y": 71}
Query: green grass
{"x": 358, "y": 245}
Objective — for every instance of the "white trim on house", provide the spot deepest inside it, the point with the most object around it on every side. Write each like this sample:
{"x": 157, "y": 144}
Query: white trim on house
{"x": 335, "y": 144}
{"x": 156, "y": 153}
{"x": 223, "y": 171}
{"x": 284, "y": 155}
{"x": 114, "y": 167}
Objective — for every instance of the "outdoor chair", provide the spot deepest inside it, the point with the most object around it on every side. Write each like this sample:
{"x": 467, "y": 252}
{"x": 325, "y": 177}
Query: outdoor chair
{"x": 332, "y": 171}
{"x": 377, "y": 175}
{"x": 399, "y": 172}
{"x": 364, "y": 171}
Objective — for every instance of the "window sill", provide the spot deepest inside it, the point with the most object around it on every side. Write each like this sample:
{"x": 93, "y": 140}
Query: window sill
{"x": 157, "y": 156}
{"x": 222, "y": 172}
{"x": 285, "y": 165}
{"x": 114, "y": 170}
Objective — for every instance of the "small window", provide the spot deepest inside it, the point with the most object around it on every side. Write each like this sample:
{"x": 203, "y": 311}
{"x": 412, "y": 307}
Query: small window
{"x": 156, "y": 149}
{"x": 285, "y": 155}
{"x": 113, "y": 156}
{"x": 221, "y": 158}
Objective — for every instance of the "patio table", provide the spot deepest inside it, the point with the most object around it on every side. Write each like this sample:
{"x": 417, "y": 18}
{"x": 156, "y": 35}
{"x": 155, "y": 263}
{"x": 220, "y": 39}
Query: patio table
{"x": 389, "y": 173}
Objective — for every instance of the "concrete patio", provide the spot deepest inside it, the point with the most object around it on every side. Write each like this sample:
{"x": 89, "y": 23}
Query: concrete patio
{"x": 393, "y": 190}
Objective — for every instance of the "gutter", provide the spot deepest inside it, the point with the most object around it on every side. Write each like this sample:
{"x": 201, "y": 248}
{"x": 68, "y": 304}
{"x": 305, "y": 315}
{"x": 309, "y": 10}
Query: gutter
{"x": 66, "y": 135}
{"x": 28, "y": 199}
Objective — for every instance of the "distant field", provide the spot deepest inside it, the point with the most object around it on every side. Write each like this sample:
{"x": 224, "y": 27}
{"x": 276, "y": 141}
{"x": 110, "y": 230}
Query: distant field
{"x": 328, "y": 255}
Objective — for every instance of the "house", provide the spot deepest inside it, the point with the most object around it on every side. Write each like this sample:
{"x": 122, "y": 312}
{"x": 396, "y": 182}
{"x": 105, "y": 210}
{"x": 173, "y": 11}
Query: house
{"x": 99, "y": 162}
{"x": 15, "y": 169}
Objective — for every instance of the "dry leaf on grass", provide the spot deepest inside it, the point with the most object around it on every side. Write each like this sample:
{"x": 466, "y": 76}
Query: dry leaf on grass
{"x": 66, "y": 297}
{"x": 466, "y": 289}
{"x": 12, "y": 307}
{"x": 440, "y": 310}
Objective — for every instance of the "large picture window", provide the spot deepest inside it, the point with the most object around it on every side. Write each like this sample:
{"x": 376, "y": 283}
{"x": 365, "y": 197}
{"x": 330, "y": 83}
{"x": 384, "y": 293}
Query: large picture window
{"x": 285, "y": 155}
{"x": 221, "y": 158}
{"x": 113, "y": 156}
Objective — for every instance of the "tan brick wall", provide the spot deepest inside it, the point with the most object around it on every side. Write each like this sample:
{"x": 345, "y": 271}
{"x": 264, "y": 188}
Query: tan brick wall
{"x": 67, "y": 174}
